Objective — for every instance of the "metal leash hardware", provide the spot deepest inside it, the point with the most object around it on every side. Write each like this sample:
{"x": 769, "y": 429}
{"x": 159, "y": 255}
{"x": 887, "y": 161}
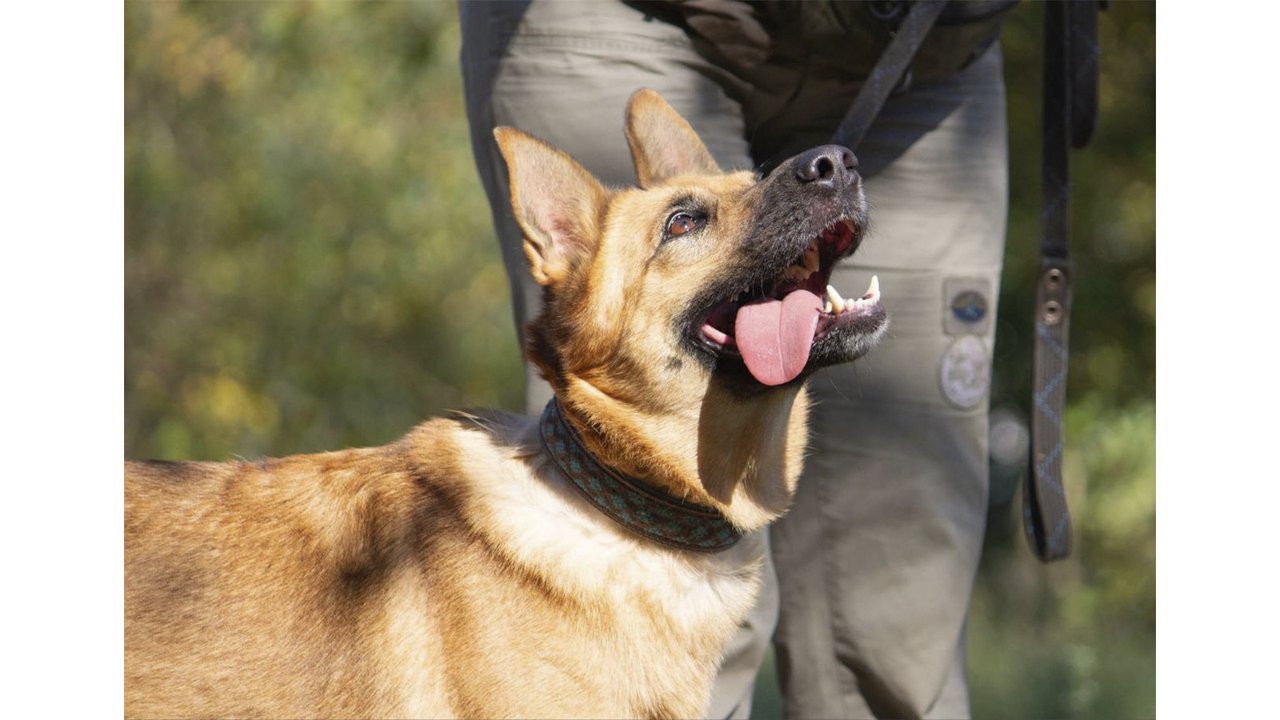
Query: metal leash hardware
{"x": 1070, "y": 106}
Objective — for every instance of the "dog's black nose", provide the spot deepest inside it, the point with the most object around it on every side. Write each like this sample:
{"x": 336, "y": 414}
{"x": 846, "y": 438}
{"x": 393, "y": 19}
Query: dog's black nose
{"x": 831, "y": 165}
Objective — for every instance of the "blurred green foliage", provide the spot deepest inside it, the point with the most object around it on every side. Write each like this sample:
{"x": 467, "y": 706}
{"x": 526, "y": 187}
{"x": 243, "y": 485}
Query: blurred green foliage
{"x": 1077, "y": 638}
{"x": 310, "y": 262}
{"x": 309, "y": 265}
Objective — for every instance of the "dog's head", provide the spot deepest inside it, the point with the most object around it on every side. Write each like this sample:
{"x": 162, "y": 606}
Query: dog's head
{"x": 696, "y": 283}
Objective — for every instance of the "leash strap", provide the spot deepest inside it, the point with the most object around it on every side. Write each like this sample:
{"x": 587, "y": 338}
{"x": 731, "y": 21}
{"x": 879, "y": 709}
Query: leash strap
{"x": 1070, "y": 106}
{"x": 887, "y": 72}
{"x": 1070, "y": 109}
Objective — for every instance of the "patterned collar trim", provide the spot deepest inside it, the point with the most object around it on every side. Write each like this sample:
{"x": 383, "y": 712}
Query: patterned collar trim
{"x": 643, "y": 510}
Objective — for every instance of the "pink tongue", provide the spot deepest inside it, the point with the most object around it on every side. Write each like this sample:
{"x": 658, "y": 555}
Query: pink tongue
{"x": 774, "y": 336}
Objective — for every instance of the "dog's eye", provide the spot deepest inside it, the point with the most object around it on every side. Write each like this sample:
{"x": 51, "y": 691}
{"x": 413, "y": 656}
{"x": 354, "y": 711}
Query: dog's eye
{"x": 683, "y": 222}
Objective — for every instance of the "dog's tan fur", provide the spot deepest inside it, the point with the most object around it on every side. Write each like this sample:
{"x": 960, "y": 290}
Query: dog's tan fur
{"x": 454, "y": 572}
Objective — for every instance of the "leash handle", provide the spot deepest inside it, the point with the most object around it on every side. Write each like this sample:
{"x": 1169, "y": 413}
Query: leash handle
{"x": 1070, "y": 108}
{"x": 1046, "y": 519}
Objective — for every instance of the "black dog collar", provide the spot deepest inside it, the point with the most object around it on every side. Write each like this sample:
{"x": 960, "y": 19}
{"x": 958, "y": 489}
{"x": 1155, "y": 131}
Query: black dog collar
{"x": 645, "y": 511}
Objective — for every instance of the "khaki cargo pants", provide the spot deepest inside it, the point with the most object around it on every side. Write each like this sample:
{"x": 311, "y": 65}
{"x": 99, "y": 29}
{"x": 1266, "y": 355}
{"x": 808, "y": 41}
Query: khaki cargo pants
{"x": 876, "y": 560}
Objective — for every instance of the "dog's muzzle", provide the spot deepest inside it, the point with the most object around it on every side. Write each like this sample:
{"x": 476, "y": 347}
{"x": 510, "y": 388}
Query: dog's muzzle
{"x": 813, "y": 215}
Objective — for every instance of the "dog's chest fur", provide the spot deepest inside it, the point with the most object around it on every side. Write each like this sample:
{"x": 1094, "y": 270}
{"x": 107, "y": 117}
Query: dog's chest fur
{"x": 407, "y": 571}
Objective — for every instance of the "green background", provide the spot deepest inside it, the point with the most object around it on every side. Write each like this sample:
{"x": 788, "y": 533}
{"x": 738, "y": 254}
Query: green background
{"x": 309, "y": 265}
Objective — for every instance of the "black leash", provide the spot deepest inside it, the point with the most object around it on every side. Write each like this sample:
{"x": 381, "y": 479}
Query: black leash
{"x": 887, "y": 73}
{"x": 1070, "y": 106}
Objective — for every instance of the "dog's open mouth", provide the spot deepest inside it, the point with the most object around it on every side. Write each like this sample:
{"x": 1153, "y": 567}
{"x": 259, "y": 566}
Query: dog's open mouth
{"x": 774, "y": 326}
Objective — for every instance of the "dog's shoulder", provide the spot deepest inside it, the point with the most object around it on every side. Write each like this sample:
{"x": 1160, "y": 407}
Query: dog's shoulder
{"x": 453, "y": 453}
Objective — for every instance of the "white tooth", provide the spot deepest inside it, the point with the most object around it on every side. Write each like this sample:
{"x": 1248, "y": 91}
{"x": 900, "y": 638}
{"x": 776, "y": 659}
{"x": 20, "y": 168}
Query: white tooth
{"x": 837, "y": 302}
{"x": 873, "y": 290}
{"x": 827, "y": 308}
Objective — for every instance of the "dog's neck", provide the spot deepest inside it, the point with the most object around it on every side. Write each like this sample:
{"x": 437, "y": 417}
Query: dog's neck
{"x": 740, "y": 455}
{"x": 641, "y": 509}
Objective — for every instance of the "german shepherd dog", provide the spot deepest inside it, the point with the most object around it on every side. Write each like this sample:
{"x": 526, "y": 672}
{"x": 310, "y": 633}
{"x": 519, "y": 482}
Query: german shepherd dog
{"x": 585, "y": 563}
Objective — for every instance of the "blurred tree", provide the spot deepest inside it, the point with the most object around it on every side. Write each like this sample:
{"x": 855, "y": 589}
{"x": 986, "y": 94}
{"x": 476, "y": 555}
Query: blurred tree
{"x": 309, "y": 264}
{"x": 309, "y": 257}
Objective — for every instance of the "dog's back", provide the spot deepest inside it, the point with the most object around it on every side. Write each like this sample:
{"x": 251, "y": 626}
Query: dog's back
{"x": 265, "y": 588}
{"x": 448, "y": 574}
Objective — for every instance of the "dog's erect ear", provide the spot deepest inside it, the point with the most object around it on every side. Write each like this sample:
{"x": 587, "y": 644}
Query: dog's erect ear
{"x": 663, "y": 144}
{"x": 556, "y": 202}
